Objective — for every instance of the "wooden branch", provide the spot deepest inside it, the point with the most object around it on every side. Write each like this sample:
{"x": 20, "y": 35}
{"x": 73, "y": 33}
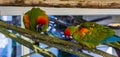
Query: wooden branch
{"x": 57, "y": 42}
{"x": 28, "y": 44}
{"x": 64, "y": 3}
{"x": 65, "y": 48}
{"x": 114, "y": 44}
{"x": 61, "y": 47}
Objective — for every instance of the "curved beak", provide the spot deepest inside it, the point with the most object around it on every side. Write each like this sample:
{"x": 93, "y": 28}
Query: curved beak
{"x": 39, "y": 27}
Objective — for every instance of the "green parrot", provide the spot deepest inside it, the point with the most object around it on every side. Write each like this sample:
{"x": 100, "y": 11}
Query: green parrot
{"x": 89, "y": 34}
{"x": 36, "y": 20}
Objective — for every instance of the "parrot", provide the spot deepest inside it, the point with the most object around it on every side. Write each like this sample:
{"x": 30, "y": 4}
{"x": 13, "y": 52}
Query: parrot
{"x": 90, "y": 34}
{"x": 36, "y": 20}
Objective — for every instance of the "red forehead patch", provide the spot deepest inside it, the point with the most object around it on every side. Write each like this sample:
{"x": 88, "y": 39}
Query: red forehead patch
{"x": 42, "y": 20}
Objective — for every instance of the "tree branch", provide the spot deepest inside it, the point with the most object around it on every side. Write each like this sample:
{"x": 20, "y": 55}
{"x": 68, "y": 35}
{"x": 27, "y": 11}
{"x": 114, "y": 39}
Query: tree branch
{"x": 28, "y": 44}
{"x": 114, "y": 44}
{"x": 52, "y": 41}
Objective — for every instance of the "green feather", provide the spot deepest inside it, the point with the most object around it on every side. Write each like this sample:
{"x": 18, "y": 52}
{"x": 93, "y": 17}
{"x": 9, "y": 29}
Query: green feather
{"x": 33, "y": 15}
{"x": 45, "y": 27}
{"x": 93, "y": 37}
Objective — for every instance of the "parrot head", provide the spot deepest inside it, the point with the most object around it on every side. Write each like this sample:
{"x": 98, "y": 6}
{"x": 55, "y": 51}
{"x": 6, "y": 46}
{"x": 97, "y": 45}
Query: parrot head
{"x": 42, "y": 20}
{"x": 67, "y": 32}
{"x": 41, "y": 23}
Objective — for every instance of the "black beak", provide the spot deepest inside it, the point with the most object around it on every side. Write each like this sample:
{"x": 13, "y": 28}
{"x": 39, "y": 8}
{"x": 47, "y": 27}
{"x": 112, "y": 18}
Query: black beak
{"x": 39, "y": 28}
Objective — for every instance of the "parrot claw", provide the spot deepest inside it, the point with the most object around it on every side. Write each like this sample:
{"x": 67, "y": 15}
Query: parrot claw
{"x": 46, "y": 50}
{"x": 35, "y": 48}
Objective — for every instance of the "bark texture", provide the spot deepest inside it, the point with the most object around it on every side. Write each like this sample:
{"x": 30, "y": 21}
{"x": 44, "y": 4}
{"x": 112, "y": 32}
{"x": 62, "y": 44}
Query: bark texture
{"x": 63, "y": 3}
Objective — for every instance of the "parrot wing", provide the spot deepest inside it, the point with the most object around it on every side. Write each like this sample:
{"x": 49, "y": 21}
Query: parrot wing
{"x": 33, "y": 16}
{"x": 114, "y": 38}
{"x": 91, "y": 34}
{"x": 32, "y": 23}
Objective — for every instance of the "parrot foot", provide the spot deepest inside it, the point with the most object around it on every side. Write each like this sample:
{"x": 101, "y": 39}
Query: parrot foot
{"x": 28, "y": 54}
{"x": 35, "y": 48}
{"x": 46, "y": 50}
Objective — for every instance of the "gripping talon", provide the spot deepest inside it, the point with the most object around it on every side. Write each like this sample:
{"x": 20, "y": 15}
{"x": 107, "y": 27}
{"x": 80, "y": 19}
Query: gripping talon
{"x": 35, "y": 48}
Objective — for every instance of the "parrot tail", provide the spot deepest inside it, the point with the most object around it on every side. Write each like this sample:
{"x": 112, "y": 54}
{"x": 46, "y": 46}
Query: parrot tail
{"x": 113, "y": 38}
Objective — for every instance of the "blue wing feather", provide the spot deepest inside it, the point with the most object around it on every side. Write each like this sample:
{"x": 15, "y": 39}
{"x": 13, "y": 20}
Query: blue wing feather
{"x": 113, "y": 38}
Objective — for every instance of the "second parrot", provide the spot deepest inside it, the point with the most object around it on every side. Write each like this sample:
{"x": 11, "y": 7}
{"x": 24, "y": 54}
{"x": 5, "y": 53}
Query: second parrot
{"x": 89, "y": 34}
